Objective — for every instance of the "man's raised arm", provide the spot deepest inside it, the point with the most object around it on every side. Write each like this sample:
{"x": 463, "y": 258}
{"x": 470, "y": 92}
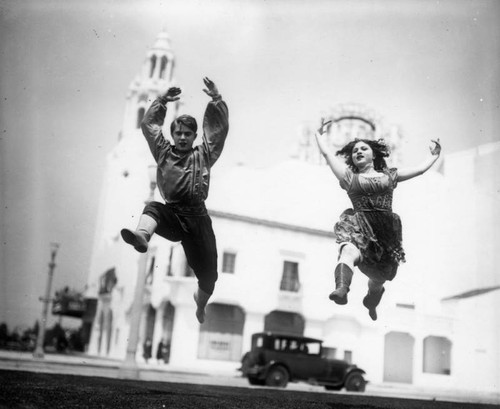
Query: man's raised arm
{"x": 153, "y": 120}
{"x": 215, "y": 122}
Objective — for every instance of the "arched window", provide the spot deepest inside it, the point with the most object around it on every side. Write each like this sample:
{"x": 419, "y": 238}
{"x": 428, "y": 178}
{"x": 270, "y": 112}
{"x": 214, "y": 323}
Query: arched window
{"x": 222, "y": 332}
{"x": 153, "y": 65}
{"x": 163, "y": 66}
{"x": 437, "y": 355}
{"x": 140, "y": 116}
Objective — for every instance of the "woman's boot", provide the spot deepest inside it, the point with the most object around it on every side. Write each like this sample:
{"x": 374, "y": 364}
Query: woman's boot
{"x": 343, "y": 278}
{"x": 371, "y": 300}
{"x": 141, "y": 236}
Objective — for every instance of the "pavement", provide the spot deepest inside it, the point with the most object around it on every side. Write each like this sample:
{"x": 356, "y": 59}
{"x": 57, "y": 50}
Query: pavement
{"x": 86, "y": 365}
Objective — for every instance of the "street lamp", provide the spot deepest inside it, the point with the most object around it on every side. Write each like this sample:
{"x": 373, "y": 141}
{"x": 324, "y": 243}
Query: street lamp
{"x": 39, "y": 353}
{"x": 129, "y": 368}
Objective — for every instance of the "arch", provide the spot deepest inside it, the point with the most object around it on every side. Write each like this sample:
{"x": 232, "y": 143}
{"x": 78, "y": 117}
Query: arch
{"x": 398, "y": 357}
{"x": 140, "y": 116}
{"x": 150, "y": 322}
{"x": 101, "y": 329}
{"x": 285, "y": 322}
{"x": 437, "y": 355}
{"x": 153, "y": 65}
{"x": 221, "y": 334}
{"x": 163, "y": 348}
{"x": 163, "y": 66}
{"x": 109, "y": 330}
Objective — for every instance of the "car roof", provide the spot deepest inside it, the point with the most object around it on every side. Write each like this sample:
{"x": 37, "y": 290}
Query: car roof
{"x": 285, "y": 335}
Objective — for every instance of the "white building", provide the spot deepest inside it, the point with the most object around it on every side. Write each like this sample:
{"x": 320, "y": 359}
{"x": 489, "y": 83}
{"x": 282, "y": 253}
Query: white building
{"x": 277, "y": 257}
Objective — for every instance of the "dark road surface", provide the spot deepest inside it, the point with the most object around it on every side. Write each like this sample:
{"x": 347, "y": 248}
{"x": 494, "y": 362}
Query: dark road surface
{"x": 38, "y": 390}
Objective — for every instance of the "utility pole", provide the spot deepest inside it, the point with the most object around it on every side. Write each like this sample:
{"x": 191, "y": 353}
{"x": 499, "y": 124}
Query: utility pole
{"x": 39, "y": 353}
{"x": 129, "y": 367}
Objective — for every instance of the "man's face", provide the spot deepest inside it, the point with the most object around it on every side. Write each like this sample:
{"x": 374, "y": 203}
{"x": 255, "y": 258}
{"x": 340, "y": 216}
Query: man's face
{"x": 183, "y": 138}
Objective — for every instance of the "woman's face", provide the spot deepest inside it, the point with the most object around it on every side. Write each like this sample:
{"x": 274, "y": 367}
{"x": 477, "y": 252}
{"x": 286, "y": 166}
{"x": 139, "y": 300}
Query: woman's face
{"x": 362, "y": 155}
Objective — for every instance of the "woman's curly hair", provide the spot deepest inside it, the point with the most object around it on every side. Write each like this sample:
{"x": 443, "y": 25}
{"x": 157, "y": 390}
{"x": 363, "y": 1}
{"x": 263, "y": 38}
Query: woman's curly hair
{"x": 379, "y": 148}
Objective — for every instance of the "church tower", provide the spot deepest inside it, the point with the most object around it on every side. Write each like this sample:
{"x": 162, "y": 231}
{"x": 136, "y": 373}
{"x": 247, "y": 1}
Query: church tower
{"x": 126, "y": 187}
{"x": 154, "y": 78}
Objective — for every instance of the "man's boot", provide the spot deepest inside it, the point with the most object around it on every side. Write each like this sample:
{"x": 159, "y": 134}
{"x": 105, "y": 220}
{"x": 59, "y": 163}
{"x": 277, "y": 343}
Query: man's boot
{"x": 343, "y": 278}
{"x": 201, "y": 298}
{"x": 371, "y": 300}
{"x": 141, "y": 236}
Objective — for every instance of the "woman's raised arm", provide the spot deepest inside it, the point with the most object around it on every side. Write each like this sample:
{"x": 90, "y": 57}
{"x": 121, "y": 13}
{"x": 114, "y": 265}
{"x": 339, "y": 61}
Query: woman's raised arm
{"x": 337, "y": 165}
{"x": 435, "y": 150}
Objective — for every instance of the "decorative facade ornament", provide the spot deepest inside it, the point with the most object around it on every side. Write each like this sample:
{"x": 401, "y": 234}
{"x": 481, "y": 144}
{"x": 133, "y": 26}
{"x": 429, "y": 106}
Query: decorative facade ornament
{"x": 350, "y": 121}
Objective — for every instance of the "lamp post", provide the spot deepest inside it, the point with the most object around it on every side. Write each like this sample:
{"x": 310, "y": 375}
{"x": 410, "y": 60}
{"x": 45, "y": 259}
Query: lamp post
{"x": 129, "y": 367}
{"x": 39, "y": 353}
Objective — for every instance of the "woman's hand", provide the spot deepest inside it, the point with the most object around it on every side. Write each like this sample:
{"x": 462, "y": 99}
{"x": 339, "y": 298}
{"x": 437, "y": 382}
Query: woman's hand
{"x": 337, "y": 165}
{"x": 436, "y": 149}
{"x": 324, "y": 126}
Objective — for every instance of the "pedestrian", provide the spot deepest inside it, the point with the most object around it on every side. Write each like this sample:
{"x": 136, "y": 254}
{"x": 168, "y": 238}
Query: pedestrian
{"x": 369, "y": 234}
{"x": 183, "y": 177}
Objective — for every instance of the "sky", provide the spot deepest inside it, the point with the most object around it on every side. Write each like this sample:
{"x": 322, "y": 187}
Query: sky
{"x": 431, "y": 67}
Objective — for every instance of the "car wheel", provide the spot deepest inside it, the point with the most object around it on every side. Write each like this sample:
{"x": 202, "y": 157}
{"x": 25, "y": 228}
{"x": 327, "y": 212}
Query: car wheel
{"x": 255, "y": 381}
{"x": 355, "y": 383}
{"x": 277, "y": 376}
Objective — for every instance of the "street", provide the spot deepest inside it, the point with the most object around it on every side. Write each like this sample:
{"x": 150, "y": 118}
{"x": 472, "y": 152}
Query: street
{"x": 20, "y": 389}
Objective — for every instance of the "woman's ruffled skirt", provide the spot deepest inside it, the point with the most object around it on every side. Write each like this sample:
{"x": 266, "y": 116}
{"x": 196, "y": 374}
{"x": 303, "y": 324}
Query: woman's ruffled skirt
{"x": 377, "y": 235}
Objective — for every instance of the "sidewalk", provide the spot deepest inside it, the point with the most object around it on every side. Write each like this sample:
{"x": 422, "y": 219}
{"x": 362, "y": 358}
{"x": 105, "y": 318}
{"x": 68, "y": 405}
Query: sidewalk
{"x": 86, "y": 365}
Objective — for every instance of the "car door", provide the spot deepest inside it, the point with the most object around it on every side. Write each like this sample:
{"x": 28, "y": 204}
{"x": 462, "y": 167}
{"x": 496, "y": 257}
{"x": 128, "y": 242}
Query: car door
{"x": 307, "y": 362}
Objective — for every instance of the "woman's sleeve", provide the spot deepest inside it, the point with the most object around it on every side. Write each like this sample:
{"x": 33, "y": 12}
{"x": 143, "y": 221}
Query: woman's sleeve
{"x": 393, "y": 175}
{"x": 345, "y": 183}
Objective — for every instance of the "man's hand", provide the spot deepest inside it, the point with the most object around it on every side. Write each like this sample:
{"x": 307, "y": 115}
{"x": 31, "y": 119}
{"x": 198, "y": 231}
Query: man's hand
{"x": 211, "y": 90}
{"x": 172, "y": 94}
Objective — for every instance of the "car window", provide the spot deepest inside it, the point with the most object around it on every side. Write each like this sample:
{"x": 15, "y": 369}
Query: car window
{"x": 258, "y": 341}
{"x": 312, "y": 348}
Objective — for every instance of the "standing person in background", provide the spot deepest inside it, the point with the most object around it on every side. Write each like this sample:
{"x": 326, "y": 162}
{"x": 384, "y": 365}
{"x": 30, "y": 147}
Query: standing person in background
{"x": 183, "y": 178}
{"x": 369, "y": 234}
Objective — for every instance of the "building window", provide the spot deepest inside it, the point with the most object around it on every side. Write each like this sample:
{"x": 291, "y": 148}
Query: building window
{"x": 290, "y": 278}
{"x": 140, "y": 116}
{"x": 437, "y": 355}
{"x": 169, "y": 266}
{"x": 151, "y": 271}
{"x": 222, "y": 332}
{"x": 153, "y": 65}
{"x": 163, "y": 66}
{"x": 228, "y": 262}
{"x": 107, "y": 282}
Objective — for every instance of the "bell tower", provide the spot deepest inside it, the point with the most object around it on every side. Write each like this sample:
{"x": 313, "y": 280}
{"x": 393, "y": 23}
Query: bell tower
{"x": 154, "y": 78}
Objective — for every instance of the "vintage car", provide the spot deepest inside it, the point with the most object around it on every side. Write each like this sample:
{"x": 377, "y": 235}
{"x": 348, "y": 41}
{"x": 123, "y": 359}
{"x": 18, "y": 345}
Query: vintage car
{"x": 276, "y": 359}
